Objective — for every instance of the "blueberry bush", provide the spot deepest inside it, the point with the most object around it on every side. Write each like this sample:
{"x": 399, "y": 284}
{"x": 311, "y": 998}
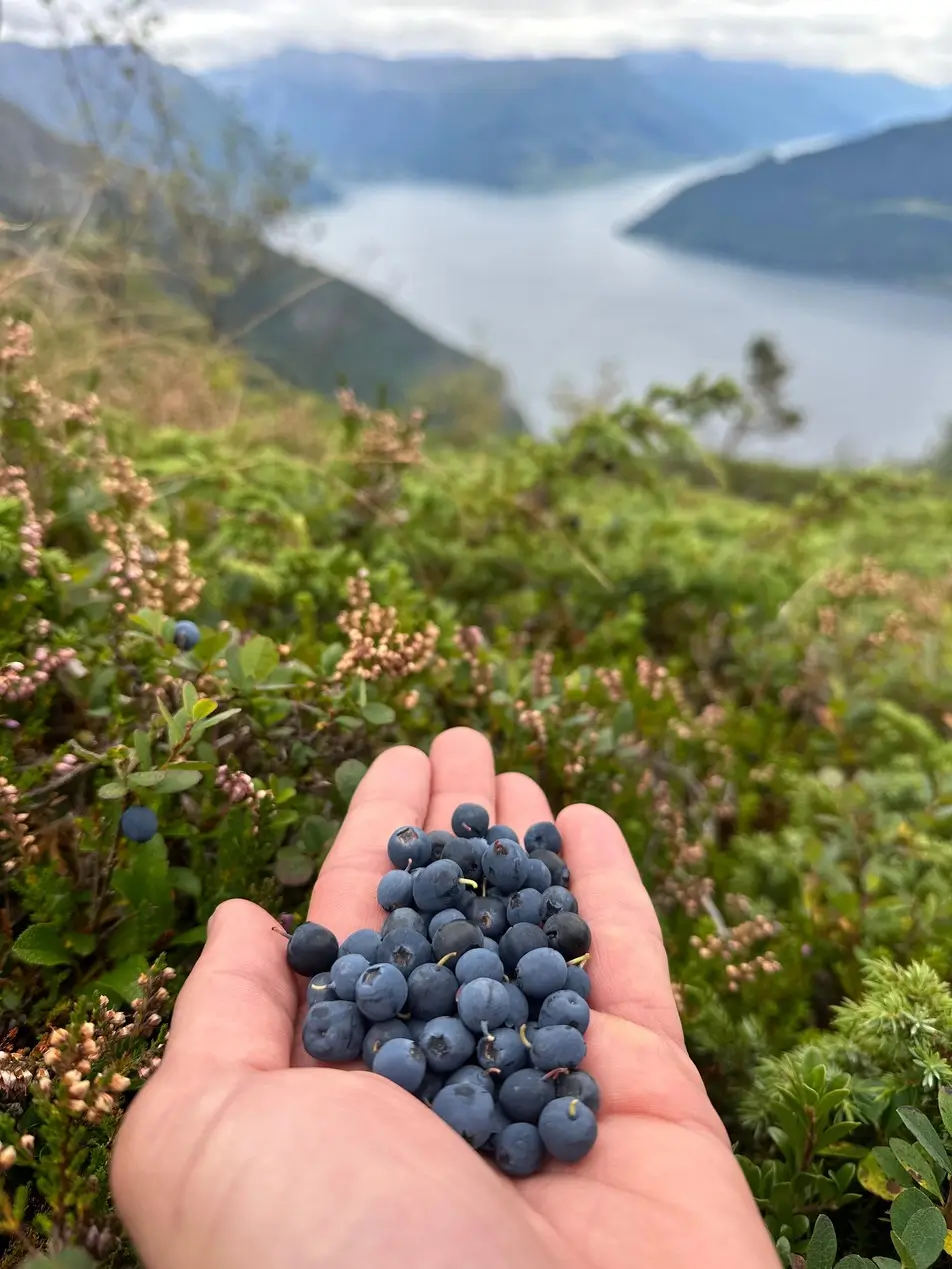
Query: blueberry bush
{"x": 208, "y": 634}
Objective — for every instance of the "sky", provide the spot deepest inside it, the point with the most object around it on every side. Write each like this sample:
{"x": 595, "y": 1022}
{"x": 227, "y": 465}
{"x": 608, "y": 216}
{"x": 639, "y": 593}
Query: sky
{"x": 909, "y": 37}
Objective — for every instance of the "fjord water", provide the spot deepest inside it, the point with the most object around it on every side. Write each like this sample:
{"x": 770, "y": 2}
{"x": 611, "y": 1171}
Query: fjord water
{"x": 545, "y": 287}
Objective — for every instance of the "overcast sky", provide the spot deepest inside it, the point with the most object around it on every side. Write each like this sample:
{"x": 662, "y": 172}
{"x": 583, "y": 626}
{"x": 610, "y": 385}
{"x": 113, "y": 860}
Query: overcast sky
{"x": 911, "y": 37}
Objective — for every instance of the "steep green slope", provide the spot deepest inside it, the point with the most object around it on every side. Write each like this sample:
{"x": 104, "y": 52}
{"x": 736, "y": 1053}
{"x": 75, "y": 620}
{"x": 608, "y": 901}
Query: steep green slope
{"x": 879, "y": 210}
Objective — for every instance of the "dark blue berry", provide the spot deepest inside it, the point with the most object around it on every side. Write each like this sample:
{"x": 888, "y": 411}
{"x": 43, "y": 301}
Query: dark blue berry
{"x": 541, "y": 972}
{"x": 519, "y": 1150}
{"x": 543, "y": 836}
{"x": 502, "y": 1052}
{"x": 490, "y": 945}
{"x": 395, "y": 890}
{"x": 333, "y": 1031}
{"x": 432, "y": 1083}
{"x": 139, "y": 823}
{"x": 455, "y": 938}
{"x": 565, "y": 1008}
{"x": 402, "y": 1062}
{"x": 447, "y": 1043}
{"x": 468, "y": 854}
{"x": 568, "y": 934}
{"x": 581, "y": 1085}
{"x": 409, "y": 846}
{"x": 401, "y": 919}
{"x": 505, "y": 865}
{"x": 344, "y": 974}
{"x": 407, "y": 949}
{"x": 482, "y": 1004}
{"x": 440, "y": 919}
{"x": 437, "y": 886}
{"x": 381, "y": 992}
{"x": 312, "y": 949}
{"x": 568, "y": 1129}
{"x": 517, "y": 941}
{"x": 470, "y": 820}
{"x": 431, "y": 991}
{"x": 186, "y": 635}
{"x": 473, "y": 1075}
{"x": 557, "y": 1048}
{"x": 525, "y": 905}
{"x": 479, "y": 962}
{"x": 468, "y": 1110}
{"x": 525, "y": 1094}
{"x": 362, "y": 943}
{"x": 439, "y": 839}
{"x": 490, "y": 915}
{"x": 320, "y": 988}
{"x": 579, "y": 981}
{"x": 555, "y": 900}
{"x": 518, "y": 1007}
{"x": 555, "y": 864}
{"x": 378, "y": 1035}
{"x": 496, "y": 831}
{"x": 538, "y": 877}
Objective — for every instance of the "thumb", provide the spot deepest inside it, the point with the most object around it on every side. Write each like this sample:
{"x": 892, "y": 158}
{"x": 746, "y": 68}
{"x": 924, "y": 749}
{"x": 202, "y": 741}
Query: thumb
{"x": 239, "y": 1004}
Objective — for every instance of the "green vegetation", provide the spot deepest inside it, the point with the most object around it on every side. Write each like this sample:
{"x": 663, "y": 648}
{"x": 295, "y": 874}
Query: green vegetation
{"x": 878, "y": 210}
{"x": 753, "y": 677}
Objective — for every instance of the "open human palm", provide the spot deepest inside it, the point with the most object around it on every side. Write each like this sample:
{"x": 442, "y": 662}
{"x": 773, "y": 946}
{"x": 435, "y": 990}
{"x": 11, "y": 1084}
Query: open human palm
{"x": 244, "y": 1153}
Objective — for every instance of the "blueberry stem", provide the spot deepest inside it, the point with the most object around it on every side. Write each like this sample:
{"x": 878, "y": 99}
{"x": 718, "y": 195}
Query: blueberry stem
{"x": 280, "y": 930}
{"x": 573, "y": 1108}
{"x": 557, "y": 1073}
{"x": 447, "y": 958}
{"x": 523, "y": 1037}
{"x": 465, "y": 881}
{"x": 582, "y": 960}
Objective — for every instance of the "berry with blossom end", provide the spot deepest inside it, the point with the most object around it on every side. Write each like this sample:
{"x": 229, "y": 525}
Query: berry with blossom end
{"x": 186, "y": 635}
{"x": 139, "y": 823}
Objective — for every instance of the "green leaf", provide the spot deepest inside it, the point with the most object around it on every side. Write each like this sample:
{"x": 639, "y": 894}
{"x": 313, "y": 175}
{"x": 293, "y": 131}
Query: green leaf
{"x": 378, "y": 714}
{"x": 853, "y": 1261}
{"x": 176, "y": 781}
{"x": 69, "y": 1258}
{"x": 41, "y": 945}
{"x": 203, "y": 708}
{"x": 189, "y": 697}
{"x": 112, "y": 791}
{"x": 945, "y": 1108}
{"x": 185, "y": 882}
{"x": 197, "y": 934}
{"x": 145, "y": 886}
{"x": 916, "y": 1164}
{"x": 347, "y": 777}
{"x": 258, "y": 657}
{"x": 821, "y": 1251}
{"x": 886, "y": 1262}
{"x": 122, "y": 981}
{"x": 348, "y": 722}
{"x": 292, "y": 867}
{"x": 926, "y": 1135}
{"x": 906, "y": 1205}
{"x": 330, "y": 656}
{"x": 146, "y": 779}
{"x": 924, "y": 1237}
{"x": 143, "y": 748}
{"x": 80, "y": 943}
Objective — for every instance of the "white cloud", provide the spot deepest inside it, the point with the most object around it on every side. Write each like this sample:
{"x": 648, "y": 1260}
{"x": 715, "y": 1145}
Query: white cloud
{"x": 910, "y": 37}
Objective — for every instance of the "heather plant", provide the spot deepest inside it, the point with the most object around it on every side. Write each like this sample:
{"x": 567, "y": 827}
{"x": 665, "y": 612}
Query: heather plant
{"x": 756, "y": 690}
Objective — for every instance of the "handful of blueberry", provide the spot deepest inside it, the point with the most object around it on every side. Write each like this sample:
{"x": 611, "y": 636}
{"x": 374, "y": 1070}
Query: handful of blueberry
{"x": 473, "y": 995}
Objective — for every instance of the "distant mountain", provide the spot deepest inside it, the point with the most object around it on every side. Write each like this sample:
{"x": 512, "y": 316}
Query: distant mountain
{"x": 139, "y": 111}
{"x": 311, "y": 329}
{"x": 878, "y": 210}
{"x": 524, "y": 123}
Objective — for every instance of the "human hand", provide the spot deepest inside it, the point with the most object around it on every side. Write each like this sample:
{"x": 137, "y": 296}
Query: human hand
{"x": 243, "y": 1153}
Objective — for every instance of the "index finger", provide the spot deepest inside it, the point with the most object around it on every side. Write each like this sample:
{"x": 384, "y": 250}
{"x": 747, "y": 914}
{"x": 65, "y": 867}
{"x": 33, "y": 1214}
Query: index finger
{"x": 629, "y": 966}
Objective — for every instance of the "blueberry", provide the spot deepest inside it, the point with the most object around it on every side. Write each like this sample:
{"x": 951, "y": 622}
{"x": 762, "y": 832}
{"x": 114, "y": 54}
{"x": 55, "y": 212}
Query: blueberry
{"x": 538, "y": 878}
{"x": 186, "y": 635}
{"x": 344, "y": 974}
{"x": 320, "y": 988}
{"x": 505, "y": 865}
{"x": 578, "y": 981}
{"x": 395, "y": 890}
{"x": 517, "y": 941}
{"x": 454, "y": 939}
{"x": 467, "y": 902}
{"x": 447, "y": 1044}
{"x": 502, "y": 1052}
{"x": 437, "y": 886}
{"x": 555, "y": 900}
{"x": 480, "y": 845}
{"x": 473, "y": 1075}
{"x": 312, "y": 949}
{"x": 468, "y": 1110}
{"x": 139, "y": 823}
{"x": 555, "y": 1048}
{"x": 415, "y": 1026}
{"x": 333, "y": 1031}
{"x": 581, "y": 1085}
{"x": 363, "y": 943}
{"x": 401, "y": 919}
{"x": 490, "y": 915}
{"x": 556, "y": 866}
{"x": 568, "y": 934}
{"x": 381, "y": 992}
{"x": 525, "y": 1094}
{"x": 409, "y": 845}
{"x": 490, "y": 945}
{"x": 479, "y": 962}
{"x": 378, "y": 1035}
{"x": 470, "y": 820}
{"x": 565, "y": 1008}
{"x": 407, "y": 949}
{"x": 482, "y": 1004}
{"x": 432, "y": 1083}
{"x": 497, "y": 831}
{"x": 439, "y": 839}
{"x": 401, "y": 1061}
{"x": 518, "y": 1007}
{"x": 525, "y": 905}
{"x": 501, "y": 1122}
{"x": 518, "y": 1150}
{"x": 541, "y": 972}
{"x": 468, "y": 855}
{"x": 431, "y": 991}
{"x": 543, "y": 836}
{"x": 439, "y": 919}
{"x": 568, "y": 1129}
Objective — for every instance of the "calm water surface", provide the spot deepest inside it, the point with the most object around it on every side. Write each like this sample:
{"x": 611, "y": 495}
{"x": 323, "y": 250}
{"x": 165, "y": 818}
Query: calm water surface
{"x": 544, "y": 287}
